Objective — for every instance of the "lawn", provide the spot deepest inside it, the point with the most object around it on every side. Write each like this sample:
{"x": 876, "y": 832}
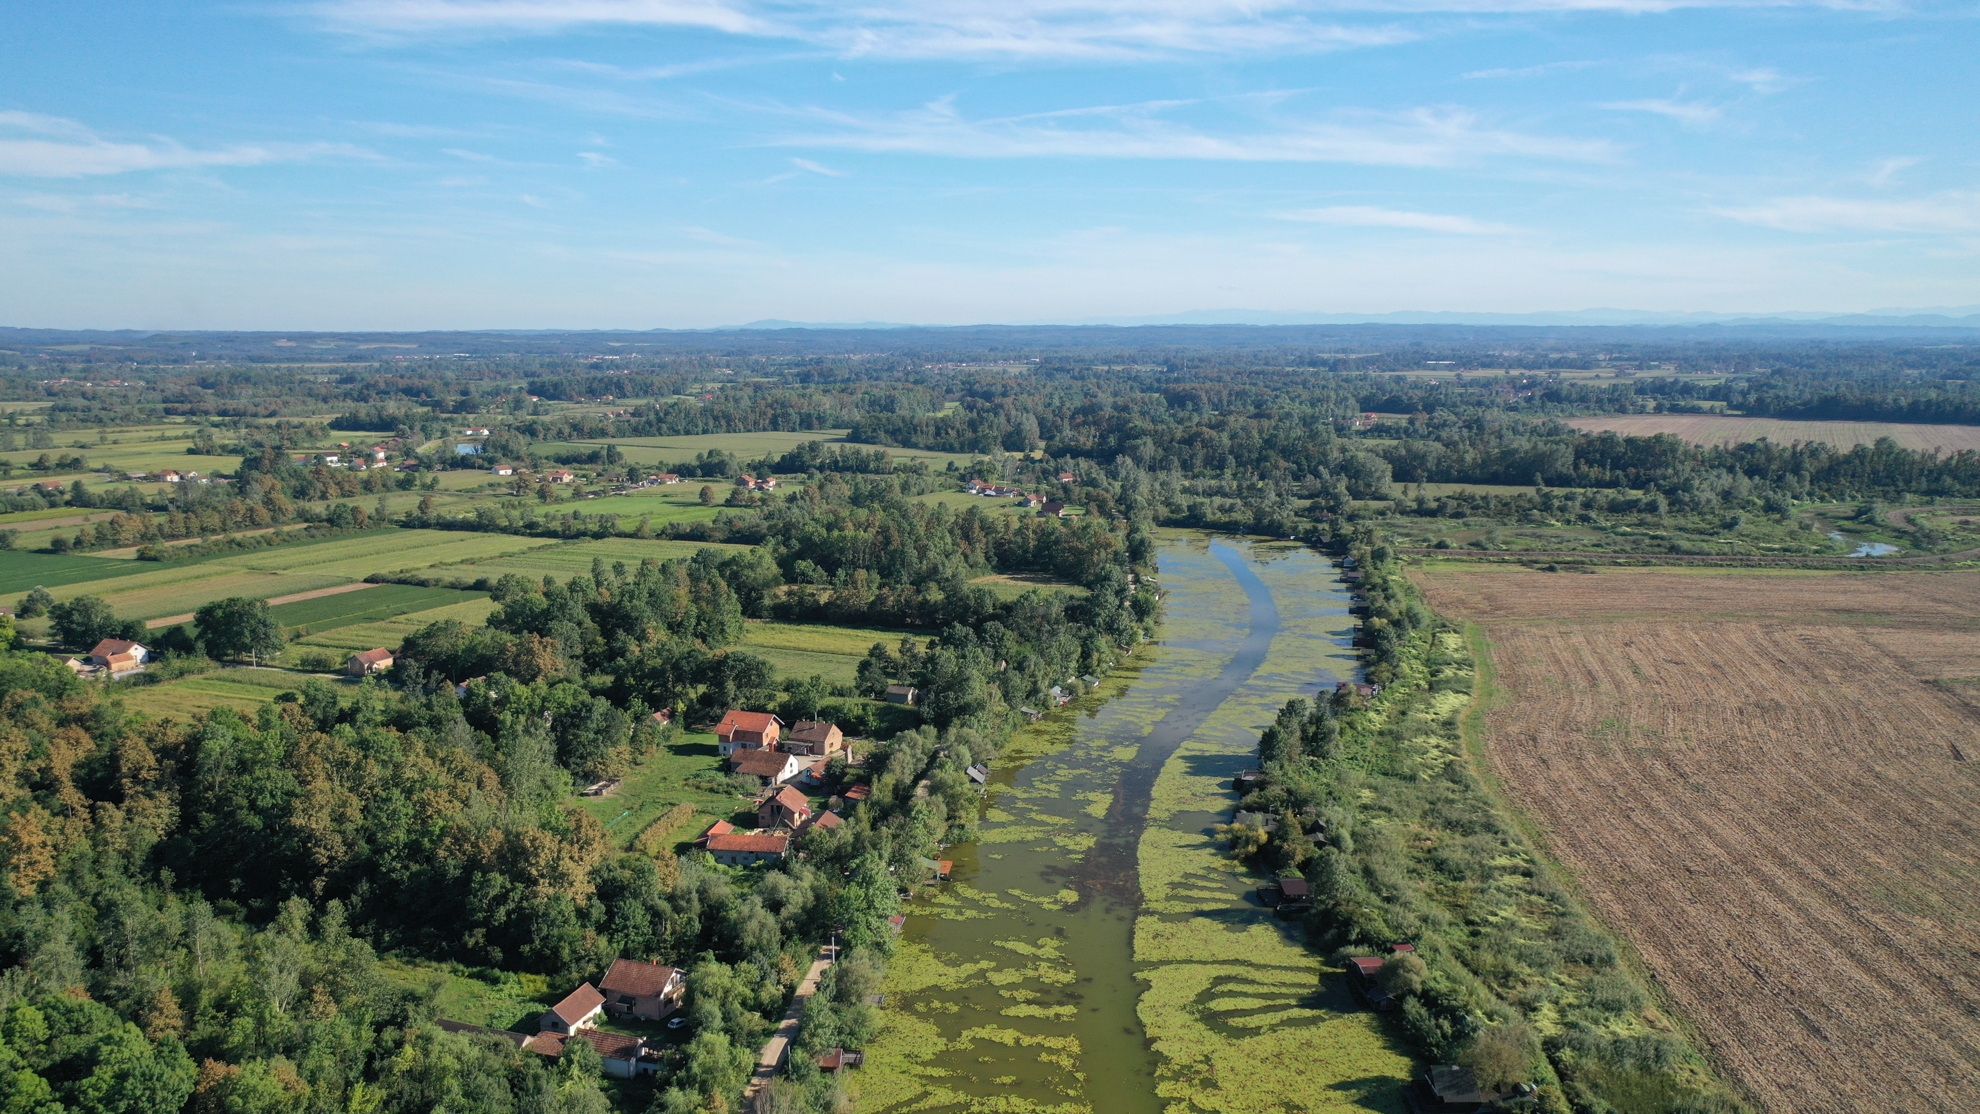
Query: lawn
{"x": 390, "y": 632}
{"x": 240, "y": 688}
{"x": 496, "y": 999}
{"x": 657, "y": 783}
{"x": 21, "y": 571}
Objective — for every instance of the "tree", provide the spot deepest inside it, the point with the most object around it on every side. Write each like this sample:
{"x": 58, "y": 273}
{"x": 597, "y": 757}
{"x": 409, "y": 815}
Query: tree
{"x": 238, "y": 627}
{"x": 86, "y": 620}
{"x": 1501, "y": 1055}
{"x": 35, "y": 604}
{"x": 707, "y": 496}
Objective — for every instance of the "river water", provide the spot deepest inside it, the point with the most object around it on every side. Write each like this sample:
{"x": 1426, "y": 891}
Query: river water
{"x": 1094, "y": 952}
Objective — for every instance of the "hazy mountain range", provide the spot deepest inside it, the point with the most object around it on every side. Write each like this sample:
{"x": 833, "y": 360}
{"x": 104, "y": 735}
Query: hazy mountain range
{"x": 1964, "y": 317}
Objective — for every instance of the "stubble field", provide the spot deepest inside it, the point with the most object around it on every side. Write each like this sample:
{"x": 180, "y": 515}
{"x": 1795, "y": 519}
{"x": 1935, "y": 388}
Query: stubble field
{"x": 1766, "y": 785}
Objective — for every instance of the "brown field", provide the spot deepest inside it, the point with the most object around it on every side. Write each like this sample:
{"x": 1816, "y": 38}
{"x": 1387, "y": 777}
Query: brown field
{"x": 1712, "y": 429}
{"x": 1759, "y": 783}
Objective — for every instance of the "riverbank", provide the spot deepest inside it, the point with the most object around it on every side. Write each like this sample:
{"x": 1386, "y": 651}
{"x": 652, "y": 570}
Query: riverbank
{"x": 1098, "y": 953}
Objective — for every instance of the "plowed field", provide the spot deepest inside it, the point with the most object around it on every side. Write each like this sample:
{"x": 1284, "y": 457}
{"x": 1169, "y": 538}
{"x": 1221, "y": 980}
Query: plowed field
{"x": 1761, "y": 782}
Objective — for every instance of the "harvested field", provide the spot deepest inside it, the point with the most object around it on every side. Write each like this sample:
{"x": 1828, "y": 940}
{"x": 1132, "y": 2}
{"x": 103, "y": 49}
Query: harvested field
{"x": 1713, "y": 429}
{"x": 1758, "y": 786}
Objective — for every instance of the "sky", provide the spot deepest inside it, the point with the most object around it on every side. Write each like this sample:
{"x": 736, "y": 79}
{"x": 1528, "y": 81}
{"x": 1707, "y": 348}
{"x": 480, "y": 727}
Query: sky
{"x": 575, "y": 164}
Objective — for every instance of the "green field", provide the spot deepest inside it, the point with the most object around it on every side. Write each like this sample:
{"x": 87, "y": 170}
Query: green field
{"x": 356, "y": 556}
{"x": 241, "y": 688}
{"x": 21, "y": 571}
{"x": 563, "y": 560}
{"x": 799, "y": 650}
{"x": 390, "y": 633}
{"x": 678, "y": 504}
{"x": 370, "y": 605}
{"x": 960, "y": 500}
{"x": 748, "y": 446}
{"x": 1013, "y": 585}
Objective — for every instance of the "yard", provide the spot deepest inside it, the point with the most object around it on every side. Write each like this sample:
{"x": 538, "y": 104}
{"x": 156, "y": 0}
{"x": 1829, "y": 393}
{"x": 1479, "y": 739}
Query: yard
{"x": 658, "y": 782}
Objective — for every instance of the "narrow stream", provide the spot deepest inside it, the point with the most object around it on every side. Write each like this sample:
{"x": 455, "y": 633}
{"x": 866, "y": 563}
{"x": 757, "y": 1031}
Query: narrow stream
{"x": 1023, "y": 968}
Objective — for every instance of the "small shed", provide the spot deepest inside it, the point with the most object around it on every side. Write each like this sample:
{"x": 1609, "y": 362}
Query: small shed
{"x": 979, "y": 773}
{"x": 903, "y": 694}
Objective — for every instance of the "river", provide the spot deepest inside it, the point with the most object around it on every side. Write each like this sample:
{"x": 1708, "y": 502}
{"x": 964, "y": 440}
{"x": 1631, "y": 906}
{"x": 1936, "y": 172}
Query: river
{"x": 1094, "y": 951}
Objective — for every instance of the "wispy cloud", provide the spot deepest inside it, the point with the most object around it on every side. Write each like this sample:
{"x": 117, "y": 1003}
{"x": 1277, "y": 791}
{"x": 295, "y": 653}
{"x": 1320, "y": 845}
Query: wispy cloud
{"x": 37, "y": 146}
{"x": 1035, "y": 29}
{"x": 597, "y": 160}
{"x": 1425, "y": 137}
{"x": 815, "y": 168}
{"x": 1369, "y": 216}
{"x": 1888, "y": 170}
{"x": 1528, "y": 71}
{"x": 1690, "y": 112}
{"x": 1949, "y": 213}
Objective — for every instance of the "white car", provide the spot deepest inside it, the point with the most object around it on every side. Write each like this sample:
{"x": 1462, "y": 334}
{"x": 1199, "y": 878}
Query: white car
{"x": 676, "y": 1022}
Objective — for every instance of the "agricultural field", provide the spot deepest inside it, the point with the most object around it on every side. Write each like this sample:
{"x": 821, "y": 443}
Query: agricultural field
{"x": 373, "y": 604}
{"x": 748, "y": 446}
{"x": 673, "y": 503}
{"x": 345, "y": 639}
{"x": 21, "y": 571}
{"x": 243, "y": 689}
{"x": 565, "y": 559}
{"x": 1714, "y": 429}
{"x": 1769, "y": 786}
{"x": 802, "y": 649}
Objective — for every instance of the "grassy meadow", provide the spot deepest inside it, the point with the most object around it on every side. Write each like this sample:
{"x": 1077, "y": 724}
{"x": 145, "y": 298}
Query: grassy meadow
{"x": 345, "y": 639}
{"x": 243, "y": 689}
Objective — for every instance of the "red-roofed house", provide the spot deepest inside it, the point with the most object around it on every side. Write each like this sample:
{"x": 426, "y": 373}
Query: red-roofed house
{"x": 126, "y": 654}
{"x": 579, "y": 1010}
{"x": 1068, "y": 477}
{"x": 825, "y": 820}
{"x": 774, "y": 767}
{"x": 786, "y": 808}
{"x": 559, "y": 476}
{"x": 718, "y": 828}
{"x": 648, "y": 991}
{"x": 624, "y": 1056}
{"x": 744, "y": 848}
{"x": 741, "y": 730}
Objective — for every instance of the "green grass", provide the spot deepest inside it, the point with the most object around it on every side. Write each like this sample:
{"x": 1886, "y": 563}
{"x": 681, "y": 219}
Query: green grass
{"x": 679, "y": 504}
{"x": 21, "y": 571}
{"x": 243, "y": 689}
{"x": 658, "y": 782}
{"x": 356, "y": 556}
{"x": 1011, "y": 586}
{"x": 496, "y": 999}
{"x": 747, "y": 446}
{"x": 566, "y": 560}
{"x": 961, "y": 499}
{"x": 369, "y": 605}
{"x": 798, "y": 650}
{"x": 390, "y": 633}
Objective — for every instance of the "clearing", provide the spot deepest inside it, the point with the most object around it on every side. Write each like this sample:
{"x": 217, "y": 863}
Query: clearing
{"x": 1715, "y": 429}
{"x": 1766, "y": 785}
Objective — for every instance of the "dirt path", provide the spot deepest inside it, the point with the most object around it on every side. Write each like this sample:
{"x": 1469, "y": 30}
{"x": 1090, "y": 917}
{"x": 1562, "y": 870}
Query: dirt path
{"x": 779, "y": 1044}
{"x": 338, "y": 590}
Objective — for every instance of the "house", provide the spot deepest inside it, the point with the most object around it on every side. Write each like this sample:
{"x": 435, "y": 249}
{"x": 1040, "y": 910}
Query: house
{"x": 1052, "y": 509}
{"x": 718, "y": 828}
{"x": 559, "y": 476}
{"x": 1449, "y": 1089}
{"x": 855, "y": 794}
{"x": 503, "y": 470}
{"x": 834, "y": 1059}
{"x": 131, "y": 654}
{"x": 979, "y": 773}
{"x": 774, "y": 767}
{"x": 1030, "y": 713}
{"x": 814, "y": 737}
{"x": 903, "y": 694}
{"x": 134, "y": 475}
{"x": 1059, "y": 696}
{"x": 171, "y": 477}
{"x": 668, "y": 478}
{"x": 813, "y": 775}
{"x": 786, "y": 808}
{"x": 662, "y": 718}
{"x": 1247, "y": 780}
{"x": 745, "y": 848}
{"x": 647, "y": 991}
{"x": 1089, "y": 680}
{"x": 1288, "y": 896}
{"x": 740, "y": 730}
{"x": 579, "y": 1010}
{"x": 1034, "y": 501}
{"x": 1363, "y": 975}
{"x": 369, "y": 662}
{"x": 1067, "y": 478}
{"x": 767, "y": 483}
{"x": 624, "y": 1056}
{"x": 825, "y": 820}
{"x": 477, "y": 431}
{"x": 1355, "y": 688}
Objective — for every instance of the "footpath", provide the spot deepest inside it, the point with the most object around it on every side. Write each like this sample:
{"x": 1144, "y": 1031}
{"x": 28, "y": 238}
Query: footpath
{"x": 779, "y": 1044}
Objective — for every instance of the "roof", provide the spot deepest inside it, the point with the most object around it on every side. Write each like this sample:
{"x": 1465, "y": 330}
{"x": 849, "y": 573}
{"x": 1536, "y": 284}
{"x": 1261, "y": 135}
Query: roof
{"x": 1368, "y": 965}
{"x": 826, "y": 820}
{"x": 762, "y": 763}
{"x": 900, "y": 690}
{"x": 811, "y": 731}
{"x": 578, "y": 1004}
{"x": 614, "y": 1046}
{"x": 630, "y": 976}
{"x": 1294, "y": 887}
{"x": 719, "y": 827}
{"x": 791, "y": 799}
{"x": 858, "y": 793}
{"x": 749, "y": 841}
{"x": 1453, "y": 1084}
{"x": 745, "y": 721}
{"x": 110, "y": 646}
{"x": 373, "y": 657}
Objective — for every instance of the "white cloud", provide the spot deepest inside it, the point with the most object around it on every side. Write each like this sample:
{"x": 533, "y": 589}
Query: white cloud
{"x": 1425, "y": 137}
{"x": 1038, "y": 29}
{"x": 597, "y": 161}
{"x": 1369, "y": 216}
{"x": 1690, "y": 112}
{"x": 815, "y": 168}
{"x": 37, "y": 146}
{"x": 1949, "y": 213}
{"x": 1888, "y": 169}
{"x": 1529, "y": 71}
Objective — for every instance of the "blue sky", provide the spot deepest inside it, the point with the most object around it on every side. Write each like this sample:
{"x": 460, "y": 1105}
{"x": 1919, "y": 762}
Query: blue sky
{"x": 399, "y": 164}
